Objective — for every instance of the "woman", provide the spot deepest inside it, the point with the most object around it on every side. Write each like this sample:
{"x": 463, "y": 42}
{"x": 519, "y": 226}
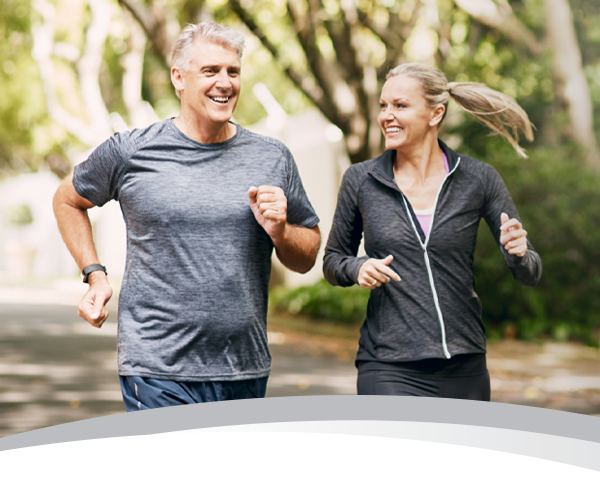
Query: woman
{"x": 419, "y": 206}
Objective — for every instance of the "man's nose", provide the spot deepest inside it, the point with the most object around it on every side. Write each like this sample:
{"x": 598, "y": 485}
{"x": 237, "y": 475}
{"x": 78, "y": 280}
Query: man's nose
{"x": 223, "y": 79}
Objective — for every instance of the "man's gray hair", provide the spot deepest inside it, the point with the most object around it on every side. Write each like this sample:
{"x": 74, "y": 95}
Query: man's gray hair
{"x": 182, "y": 52}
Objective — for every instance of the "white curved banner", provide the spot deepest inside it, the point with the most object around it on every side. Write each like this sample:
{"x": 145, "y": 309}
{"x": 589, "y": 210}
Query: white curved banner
{"x": 569, "y": 451}
{"x": 562, "y": 437}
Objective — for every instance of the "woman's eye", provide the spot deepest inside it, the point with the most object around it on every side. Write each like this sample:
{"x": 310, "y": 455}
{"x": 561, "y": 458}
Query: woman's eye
{"x": 400, "y": 105}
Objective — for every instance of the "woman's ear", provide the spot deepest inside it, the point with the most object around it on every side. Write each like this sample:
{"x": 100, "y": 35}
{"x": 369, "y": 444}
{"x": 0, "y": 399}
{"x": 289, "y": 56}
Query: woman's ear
{"x": 437, "y": 114}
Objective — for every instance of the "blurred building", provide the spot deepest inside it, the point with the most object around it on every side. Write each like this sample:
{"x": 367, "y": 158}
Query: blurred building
{"x": 30, "y": 243}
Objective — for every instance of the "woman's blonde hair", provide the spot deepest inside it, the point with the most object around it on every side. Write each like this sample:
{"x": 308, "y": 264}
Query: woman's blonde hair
{"x": 496, "y": 110}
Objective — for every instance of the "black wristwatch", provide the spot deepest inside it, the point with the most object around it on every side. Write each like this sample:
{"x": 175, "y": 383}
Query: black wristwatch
{"x": 90, "y": 269}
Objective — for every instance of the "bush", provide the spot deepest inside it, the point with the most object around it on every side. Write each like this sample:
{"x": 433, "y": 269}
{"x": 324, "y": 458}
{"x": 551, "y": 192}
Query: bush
{"x": 322, "y": 301}
{"x": 20, "y": 215}
{"x": 557, "y": 199}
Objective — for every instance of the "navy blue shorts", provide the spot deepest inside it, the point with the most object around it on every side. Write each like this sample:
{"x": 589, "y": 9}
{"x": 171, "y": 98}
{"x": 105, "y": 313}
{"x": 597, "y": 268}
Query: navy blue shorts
{"x": 223, "y": 456}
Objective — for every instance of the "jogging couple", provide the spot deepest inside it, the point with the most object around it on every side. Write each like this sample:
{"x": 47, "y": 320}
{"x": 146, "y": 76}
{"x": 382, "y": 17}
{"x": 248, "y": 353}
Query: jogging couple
{"x": 205, "y": 201}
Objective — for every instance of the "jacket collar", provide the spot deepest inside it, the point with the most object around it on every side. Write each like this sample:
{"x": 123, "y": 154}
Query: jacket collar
{"x": 383, "y": 170}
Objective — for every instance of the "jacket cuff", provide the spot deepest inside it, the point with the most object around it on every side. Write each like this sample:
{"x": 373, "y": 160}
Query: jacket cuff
{"x": 515, "y": 260}
{"x": 355, "y": 267}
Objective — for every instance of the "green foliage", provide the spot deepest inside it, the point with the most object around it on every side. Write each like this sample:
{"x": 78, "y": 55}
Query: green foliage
{"x": 20, "y": 215}
{"x": 557, "y": 199}
{"x": 322, "y": 301}
{"x": 18, "y": 87}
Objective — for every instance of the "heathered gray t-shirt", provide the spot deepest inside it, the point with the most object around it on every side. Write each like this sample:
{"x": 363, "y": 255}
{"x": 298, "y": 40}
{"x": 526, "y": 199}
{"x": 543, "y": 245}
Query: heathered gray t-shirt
{"x": 193, "y": 303}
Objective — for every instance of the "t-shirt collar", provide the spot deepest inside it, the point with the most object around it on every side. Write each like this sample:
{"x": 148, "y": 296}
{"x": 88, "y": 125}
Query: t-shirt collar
{"x": 209, "y": 145}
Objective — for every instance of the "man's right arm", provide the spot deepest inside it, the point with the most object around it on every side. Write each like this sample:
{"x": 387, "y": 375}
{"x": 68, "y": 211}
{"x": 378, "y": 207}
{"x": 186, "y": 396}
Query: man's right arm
{"x": 70, "y": 210}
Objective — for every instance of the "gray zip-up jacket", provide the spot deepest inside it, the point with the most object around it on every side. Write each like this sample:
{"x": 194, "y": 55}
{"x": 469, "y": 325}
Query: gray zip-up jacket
{"x": 433, "y": 312}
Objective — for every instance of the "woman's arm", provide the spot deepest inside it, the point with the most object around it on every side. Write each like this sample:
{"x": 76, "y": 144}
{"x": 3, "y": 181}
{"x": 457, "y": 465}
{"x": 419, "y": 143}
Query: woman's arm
{"x": 340, "y": 264}
{"x": 503, "y": 220}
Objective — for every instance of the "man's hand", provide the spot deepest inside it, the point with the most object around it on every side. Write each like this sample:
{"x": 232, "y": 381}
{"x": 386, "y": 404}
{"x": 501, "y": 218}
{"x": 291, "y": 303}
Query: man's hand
{"x": 296, "y": 246}
{"x": 513, "y": 236}
{"x": 92, "y": 307}
{"x": 269, "y": 206}
{"x": 375, "y": 272}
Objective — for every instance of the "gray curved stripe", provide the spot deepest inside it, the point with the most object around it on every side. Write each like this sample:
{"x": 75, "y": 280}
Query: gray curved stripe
{"x": 322, "y": 408}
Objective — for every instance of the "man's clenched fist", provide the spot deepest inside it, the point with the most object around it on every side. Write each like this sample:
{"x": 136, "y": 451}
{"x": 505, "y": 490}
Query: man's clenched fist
{"x": 269, "y": 206}
{"x": 92, "y": 307}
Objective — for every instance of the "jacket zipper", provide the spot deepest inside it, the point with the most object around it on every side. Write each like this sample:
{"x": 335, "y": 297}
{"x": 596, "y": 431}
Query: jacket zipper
{"x": 426, "y": 257}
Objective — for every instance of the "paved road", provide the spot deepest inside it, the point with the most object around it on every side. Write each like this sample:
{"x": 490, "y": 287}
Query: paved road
{"x": 54, "y": 368}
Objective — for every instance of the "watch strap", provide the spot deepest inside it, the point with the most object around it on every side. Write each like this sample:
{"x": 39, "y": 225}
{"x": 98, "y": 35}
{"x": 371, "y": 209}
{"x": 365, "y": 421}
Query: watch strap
{"x": 87, "y": 270}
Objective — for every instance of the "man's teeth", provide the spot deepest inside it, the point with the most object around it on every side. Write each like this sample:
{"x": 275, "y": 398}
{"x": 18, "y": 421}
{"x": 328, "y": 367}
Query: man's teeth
{"x": 391, "y": 130}
{"x": 220, "y": 99}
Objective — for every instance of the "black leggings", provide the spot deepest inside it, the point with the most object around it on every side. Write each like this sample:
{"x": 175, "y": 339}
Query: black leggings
{"x": 418, "y": 470}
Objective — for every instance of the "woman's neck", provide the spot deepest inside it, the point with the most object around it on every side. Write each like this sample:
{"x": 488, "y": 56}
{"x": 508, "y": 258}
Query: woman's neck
{"x": 421, "y": 160}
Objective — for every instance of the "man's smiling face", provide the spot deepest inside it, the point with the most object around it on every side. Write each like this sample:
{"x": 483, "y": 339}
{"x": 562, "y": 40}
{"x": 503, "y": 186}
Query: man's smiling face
{"x": 211, "y": 84}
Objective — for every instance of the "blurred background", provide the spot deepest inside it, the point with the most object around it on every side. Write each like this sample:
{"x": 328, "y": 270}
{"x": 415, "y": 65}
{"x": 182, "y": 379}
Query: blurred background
{"x": 73, "y": 72}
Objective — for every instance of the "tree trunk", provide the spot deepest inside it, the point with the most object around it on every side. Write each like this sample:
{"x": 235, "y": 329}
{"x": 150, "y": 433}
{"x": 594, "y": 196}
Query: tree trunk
{"x": 501, "y": 17}
{"x": 572, "y": 84}
{"x": 97, "y": 128}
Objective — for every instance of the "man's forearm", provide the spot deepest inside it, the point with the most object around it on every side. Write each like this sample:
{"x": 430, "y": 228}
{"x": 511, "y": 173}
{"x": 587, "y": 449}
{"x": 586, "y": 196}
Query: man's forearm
{"x": 74, "y": 226}
{"x": 297, "y": 247}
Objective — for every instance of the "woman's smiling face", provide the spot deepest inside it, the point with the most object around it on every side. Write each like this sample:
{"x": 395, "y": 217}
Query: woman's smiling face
{"x": 405, "y": 117}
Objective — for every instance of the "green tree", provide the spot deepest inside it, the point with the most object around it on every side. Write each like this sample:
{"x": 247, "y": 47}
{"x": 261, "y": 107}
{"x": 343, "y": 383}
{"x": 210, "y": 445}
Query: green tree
{"x": 337, "y": 53}
{"x": 22, "y": 117}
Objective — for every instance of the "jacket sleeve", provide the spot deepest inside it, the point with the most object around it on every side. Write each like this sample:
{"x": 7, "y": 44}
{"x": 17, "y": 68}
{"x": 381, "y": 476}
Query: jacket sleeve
{"x": 340, "y": 264}
{"x": 527, "y": 270}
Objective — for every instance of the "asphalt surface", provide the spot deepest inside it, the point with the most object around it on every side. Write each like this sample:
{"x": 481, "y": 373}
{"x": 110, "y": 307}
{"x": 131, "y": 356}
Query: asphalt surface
{"x": 55, "y": 368}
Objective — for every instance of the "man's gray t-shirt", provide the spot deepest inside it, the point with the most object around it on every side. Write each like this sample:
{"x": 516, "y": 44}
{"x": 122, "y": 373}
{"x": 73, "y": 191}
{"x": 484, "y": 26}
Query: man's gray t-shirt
{"x": 193, "y": 303}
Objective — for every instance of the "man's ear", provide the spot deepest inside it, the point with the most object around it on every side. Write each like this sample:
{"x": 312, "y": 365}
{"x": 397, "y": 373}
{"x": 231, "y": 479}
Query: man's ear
{"x": 178, "y": 79}
{"x": 437, "y": 114}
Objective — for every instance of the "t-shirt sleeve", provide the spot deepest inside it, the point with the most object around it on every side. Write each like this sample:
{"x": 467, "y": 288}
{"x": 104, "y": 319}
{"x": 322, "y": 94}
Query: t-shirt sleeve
{"x": 299, "y": 209}
{"x": 98, "y": 178}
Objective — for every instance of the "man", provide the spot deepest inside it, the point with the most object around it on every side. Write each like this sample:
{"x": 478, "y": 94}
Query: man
{"x": 200, "y": 233}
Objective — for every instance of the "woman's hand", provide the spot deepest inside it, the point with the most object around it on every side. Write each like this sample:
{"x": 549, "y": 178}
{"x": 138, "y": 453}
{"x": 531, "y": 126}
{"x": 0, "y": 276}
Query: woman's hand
{"x": 513, "y": 236}
{"x": 375, "y": 272}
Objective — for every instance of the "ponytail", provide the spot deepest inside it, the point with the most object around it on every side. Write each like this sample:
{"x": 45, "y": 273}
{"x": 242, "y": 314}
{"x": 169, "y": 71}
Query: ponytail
{"x": 496, "y": 110}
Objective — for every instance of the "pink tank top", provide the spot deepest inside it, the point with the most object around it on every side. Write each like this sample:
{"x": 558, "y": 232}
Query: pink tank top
{"x": 424, "y": 216}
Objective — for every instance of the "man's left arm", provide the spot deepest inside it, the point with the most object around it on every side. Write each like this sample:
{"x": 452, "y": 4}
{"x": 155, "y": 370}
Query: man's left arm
{"x": 296, "y": 246}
